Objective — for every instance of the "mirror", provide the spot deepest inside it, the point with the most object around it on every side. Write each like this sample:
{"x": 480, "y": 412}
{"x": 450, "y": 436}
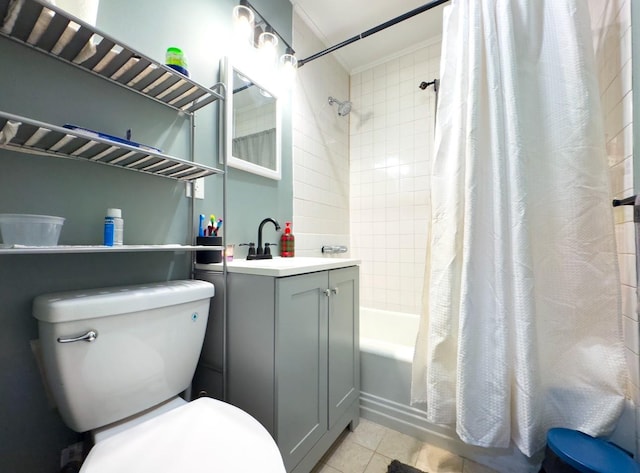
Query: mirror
{"x": 253, "y": 124}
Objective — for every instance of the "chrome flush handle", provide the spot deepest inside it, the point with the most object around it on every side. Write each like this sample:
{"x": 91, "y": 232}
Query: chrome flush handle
{"x": 90, "y": 336}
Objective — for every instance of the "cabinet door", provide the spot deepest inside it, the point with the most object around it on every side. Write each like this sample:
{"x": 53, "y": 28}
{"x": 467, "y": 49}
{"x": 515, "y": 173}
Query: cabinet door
{"x": 344, "y": 346}
{"x": 301, "y": 364}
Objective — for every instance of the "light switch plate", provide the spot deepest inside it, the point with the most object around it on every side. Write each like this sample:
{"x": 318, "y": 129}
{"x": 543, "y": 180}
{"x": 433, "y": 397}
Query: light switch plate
{"x": 198, "y": 186}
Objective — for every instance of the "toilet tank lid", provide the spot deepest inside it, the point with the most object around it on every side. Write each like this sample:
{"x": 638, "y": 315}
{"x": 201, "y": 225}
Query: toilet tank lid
{"x": 101, "y": 302}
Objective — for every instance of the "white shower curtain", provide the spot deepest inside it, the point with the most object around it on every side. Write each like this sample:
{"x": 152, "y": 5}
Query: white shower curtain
{"x": 521, "y": 328}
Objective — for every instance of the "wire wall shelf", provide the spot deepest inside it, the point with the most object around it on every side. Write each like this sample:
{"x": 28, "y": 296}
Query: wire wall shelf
{"x": 51, "y": 30}
{"x": 30, "y": 136}
{"x": 74, "y": 249}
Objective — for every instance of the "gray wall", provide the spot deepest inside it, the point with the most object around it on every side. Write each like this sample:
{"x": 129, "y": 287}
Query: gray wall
{"x": 155, "y": 209}
{"x": 201, "y": 28}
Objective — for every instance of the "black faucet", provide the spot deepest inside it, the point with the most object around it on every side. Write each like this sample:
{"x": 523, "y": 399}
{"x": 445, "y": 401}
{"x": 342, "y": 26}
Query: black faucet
{"x": 260, "y": 252}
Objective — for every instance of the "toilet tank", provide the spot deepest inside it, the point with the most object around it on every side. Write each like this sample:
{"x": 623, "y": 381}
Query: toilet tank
{"x": 147, "y": 343}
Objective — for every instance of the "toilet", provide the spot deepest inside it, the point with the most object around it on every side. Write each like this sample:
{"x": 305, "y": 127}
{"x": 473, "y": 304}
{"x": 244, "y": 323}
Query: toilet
{"x": 115, "y": 360}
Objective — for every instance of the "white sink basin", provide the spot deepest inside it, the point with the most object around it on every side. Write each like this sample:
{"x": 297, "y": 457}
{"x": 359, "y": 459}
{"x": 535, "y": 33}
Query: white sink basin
{"x": 279, "y": 267}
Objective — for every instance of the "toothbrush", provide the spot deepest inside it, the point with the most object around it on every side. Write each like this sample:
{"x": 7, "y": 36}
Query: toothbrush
{"x": 201, "y": 227}
{"x": 211, "y": 227}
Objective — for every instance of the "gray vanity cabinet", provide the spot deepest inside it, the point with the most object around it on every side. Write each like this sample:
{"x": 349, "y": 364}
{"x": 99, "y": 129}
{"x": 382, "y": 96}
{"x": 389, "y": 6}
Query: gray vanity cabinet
{"x": 301, "y": 364}
{"x": 344, "y": 342}
{"x": 293, "y": 357}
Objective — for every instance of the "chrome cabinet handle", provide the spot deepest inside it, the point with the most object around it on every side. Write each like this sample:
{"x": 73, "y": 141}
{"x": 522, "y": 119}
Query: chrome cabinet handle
{"x": 90, "y": 336}
{"x": 334, "y": 291}
{"x": 326, "y": 292}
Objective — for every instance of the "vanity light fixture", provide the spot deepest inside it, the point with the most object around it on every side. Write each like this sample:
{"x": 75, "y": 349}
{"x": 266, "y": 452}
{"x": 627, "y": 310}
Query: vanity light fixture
{"x": 267, "y": 45}
{"x": 249, "y": 24}
{"x": 288, "y": 67}
{"x": 243, "y": 24}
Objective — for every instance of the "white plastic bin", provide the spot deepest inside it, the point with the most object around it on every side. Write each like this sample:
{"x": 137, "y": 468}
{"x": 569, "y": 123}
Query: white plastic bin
{"x": 30, "y": 230}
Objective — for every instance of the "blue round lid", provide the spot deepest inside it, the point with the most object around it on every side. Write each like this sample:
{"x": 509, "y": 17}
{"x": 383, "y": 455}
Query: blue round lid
{"x": 587, "y": 454}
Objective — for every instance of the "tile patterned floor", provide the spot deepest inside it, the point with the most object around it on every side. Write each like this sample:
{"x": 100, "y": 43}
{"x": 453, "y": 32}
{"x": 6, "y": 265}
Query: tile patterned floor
{"x": 371, "y": 447}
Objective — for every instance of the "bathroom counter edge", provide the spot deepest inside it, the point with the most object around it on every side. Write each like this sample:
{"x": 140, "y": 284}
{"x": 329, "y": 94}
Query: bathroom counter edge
{"x": 280, "y": 267}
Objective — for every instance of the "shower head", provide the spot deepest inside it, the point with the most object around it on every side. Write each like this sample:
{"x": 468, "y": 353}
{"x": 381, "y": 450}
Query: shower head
{"x": 343, "y": 107}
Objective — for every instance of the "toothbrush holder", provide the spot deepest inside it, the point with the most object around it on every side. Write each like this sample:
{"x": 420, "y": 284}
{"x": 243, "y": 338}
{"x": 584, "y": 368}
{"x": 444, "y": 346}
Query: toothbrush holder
{"x": 206, "y": 257}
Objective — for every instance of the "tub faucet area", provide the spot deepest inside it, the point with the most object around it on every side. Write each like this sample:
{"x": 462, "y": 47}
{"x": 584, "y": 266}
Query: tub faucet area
{"x": 263, "y": 252}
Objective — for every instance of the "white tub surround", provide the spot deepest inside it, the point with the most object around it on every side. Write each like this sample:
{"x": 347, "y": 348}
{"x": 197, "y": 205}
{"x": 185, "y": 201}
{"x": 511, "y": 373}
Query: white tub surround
{"x": 390, "y": 334}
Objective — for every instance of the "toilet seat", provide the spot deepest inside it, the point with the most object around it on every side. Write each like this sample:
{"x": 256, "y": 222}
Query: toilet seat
{"x": 203, "y": 435}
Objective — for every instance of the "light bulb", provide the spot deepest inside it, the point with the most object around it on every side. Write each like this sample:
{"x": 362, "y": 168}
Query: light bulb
{"x": 288, "y": 69}
{"x": 267, "y": 44}
{"x": 243, "y": 23}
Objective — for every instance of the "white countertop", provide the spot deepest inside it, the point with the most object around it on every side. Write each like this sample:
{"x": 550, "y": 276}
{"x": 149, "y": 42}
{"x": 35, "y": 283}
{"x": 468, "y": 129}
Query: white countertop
{"x": 279, "y": 267}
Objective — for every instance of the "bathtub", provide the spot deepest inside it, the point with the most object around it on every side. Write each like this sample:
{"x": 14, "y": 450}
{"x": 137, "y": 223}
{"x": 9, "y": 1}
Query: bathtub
{"x": 387, "y": 341}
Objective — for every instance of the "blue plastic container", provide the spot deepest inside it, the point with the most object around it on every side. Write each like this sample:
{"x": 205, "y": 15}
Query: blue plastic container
{"x": 585, "y": 454}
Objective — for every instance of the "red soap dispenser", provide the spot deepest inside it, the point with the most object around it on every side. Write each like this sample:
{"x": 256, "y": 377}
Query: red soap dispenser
{"x": 287, "y": 242}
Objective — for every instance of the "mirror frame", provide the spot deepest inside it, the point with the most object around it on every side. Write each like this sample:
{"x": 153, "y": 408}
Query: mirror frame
{"x": 227, "y": 68}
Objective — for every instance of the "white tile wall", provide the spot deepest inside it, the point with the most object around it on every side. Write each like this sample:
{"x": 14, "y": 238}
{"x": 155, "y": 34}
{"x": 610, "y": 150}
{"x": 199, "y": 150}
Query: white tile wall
{"x": 611, "y": 25}
{"x": 391, "y": 149}
{"x": 253, "y": 120}
{"x": 320, "y": 149}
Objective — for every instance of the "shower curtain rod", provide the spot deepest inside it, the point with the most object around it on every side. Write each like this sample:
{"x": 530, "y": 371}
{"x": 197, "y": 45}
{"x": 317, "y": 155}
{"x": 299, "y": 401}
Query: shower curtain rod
{"x": 627, "y": 201}
{"x": 386, "y": 24}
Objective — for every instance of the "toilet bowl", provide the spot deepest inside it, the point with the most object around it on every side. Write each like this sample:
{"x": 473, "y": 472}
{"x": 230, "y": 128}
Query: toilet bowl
{"x": 116, "y": 359}
{"x": 202, "y": 435}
